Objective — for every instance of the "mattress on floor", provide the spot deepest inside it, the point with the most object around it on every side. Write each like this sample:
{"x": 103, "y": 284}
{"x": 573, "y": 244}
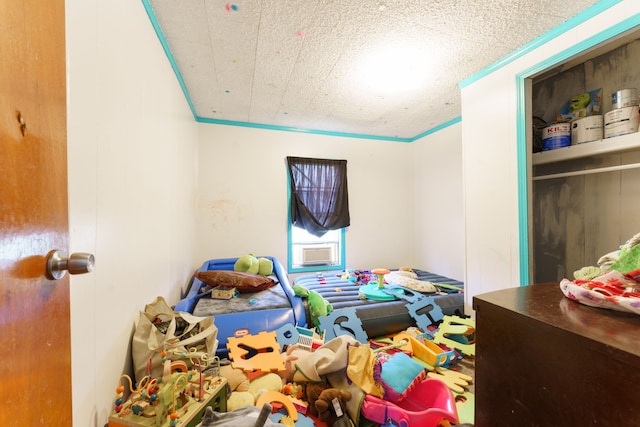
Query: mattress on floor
{"x": 267, "y": 299}
{"x": 381, "y": 317}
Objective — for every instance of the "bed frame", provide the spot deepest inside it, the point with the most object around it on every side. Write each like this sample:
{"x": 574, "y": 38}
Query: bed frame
{"x": 249, "y": 313}
{"x": 274, "y": 308}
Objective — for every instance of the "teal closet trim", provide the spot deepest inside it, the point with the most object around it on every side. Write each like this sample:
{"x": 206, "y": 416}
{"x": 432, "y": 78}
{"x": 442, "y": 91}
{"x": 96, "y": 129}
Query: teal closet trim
{"x": 523, "y": 191}
{"x": 523, "y": 181}
{"x": 167, "y": 51}
{"x": 546, "y": 37}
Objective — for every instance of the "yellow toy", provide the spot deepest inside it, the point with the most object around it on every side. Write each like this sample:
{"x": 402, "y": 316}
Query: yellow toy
{"x": 454, "y": 380}
{"x": 456, "y": 332}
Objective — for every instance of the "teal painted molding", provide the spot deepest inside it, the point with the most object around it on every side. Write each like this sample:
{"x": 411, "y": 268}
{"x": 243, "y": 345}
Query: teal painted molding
{"x": 523, "y": 181}
{"x": 292, "y": 129}
{"x": 523, "y": 191}
{"x": 167, "y": 51}
{"x": 545, "y": 38}
{"x": 438, "y": 128}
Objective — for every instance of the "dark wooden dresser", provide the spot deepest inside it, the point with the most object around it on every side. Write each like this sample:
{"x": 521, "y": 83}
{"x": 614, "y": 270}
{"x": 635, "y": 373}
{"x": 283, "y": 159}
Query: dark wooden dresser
{"x": 545, "y": 360}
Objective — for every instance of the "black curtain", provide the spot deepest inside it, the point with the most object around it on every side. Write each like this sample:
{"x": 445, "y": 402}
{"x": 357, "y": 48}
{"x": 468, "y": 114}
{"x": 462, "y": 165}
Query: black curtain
{"x": 319, "y": 196}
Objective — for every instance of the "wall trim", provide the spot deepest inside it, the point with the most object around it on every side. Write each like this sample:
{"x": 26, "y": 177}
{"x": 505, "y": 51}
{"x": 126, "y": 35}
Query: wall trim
{"x": 167, "y": 51}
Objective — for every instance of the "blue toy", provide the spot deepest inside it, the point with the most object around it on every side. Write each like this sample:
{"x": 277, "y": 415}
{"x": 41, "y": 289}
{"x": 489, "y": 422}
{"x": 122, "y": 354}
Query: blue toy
{"x": 343, "y": 322}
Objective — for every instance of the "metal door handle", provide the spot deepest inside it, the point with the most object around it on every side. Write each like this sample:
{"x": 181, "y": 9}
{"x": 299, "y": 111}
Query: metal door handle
{"x": 77, "y": 263}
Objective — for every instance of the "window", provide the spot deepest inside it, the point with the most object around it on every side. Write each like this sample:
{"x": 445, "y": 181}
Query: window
{"x": 318, "y": 213}
{"x": 309, "y": 252}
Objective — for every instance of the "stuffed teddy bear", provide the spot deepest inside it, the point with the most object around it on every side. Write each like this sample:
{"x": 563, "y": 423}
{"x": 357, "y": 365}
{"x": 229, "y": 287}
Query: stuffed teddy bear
{"x": 312, "y": 393}
{"x": 328, "y": 410}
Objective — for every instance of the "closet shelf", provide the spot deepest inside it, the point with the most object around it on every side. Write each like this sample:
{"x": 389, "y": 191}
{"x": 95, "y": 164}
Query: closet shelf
{"x": 603, "y": 146}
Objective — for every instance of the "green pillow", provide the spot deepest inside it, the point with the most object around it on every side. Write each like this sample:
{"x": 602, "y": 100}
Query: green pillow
{"x": 247, "y": 264}
{"x": 265, "y": 266}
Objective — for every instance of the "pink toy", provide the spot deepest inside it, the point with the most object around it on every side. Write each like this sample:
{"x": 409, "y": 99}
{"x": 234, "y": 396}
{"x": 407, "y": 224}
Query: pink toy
{"x": 425, "y": 406}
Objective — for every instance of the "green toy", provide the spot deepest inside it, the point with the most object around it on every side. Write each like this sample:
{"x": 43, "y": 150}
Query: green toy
{"x": 629, "y": 256}
{"x": 251, "y": 264}
{"x": 318, "y": 306}
{"x": 588, "y": 273}
{"x": 580, "y": 101}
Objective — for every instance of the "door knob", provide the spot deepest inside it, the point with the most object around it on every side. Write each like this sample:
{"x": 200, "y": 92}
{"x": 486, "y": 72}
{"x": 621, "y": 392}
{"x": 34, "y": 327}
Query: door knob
{"x": 77, "y": 263}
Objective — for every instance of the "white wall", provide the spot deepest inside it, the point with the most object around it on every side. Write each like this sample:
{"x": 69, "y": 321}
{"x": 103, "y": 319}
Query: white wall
{"x": 242, "y": 201}
{"x": 490, "y": 160}
{"x": 438, "y": 223}
{"x": 132, "y": 152}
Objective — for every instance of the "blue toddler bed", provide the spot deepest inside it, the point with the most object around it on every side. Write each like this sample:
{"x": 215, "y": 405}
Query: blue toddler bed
{"x": 249, "y": 313}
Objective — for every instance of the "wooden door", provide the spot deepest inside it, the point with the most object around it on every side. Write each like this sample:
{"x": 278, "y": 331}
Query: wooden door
{"x": 35, "y": 385}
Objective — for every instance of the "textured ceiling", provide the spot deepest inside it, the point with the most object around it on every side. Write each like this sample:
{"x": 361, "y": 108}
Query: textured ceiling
{"x": 305, "y": 64}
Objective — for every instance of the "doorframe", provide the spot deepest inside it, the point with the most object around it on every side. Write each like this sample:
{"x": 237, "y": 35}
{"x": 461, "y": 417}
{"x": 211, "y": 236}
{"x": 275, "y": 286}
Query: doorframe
{"x": 523, "y": 127}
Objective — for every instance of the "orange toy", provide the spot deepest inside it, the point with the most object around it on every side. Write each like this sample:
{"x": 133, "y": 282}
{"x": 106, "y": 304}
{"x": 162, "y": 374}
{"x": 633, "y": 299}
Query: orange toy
{"x": 256, "y": 352}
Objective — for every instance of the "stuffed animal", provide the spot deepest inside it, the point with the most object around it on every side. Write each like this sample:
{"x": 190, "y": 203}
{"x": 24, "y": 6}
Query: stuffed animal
{"x": 629, "y": 256}
{"x": 318, "y": 306}
{"x": 407, "y": 278}
{"x": 312, "y": 393}
{"x": 237, "y": 378}
{"x": 252, "y": 390}
{"x": 291, "y": 356}
{"x": 331, "y": 406}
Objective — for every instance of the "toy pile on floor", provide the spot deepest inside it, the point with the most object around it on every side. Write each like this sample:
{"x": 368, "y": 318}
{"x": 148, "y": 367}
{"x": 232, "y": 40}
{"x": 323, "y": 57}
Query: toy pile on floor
{"x": 341, "y": 378}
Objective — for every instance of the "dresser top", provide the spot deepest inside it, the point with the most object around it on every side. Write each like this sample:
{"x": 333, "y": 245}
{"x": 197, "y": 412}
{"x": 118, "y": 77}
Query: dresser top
{"x": 545, "y": 303}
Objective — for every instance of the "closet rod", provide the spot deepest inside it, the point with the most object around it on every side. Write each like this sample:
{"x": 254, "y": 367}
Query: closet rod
{"x": 587, "y": 172}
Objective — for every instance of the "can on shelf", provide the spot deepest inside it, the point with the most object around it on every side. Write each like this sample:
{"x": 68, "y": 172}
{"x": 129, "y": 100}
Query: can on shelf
{"x": 621, "y": 121}
{"x": 587, "y": 129}
{"x": 557, "y": 135}
{"x": 625, "y": 98}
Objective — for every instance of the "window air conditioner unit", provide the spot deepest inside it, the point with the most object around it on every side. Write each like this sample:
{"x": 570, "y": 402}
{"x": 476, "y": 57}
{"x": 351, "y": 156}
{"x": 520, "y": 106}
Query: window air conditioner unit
{"x": 317, "y": 255}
